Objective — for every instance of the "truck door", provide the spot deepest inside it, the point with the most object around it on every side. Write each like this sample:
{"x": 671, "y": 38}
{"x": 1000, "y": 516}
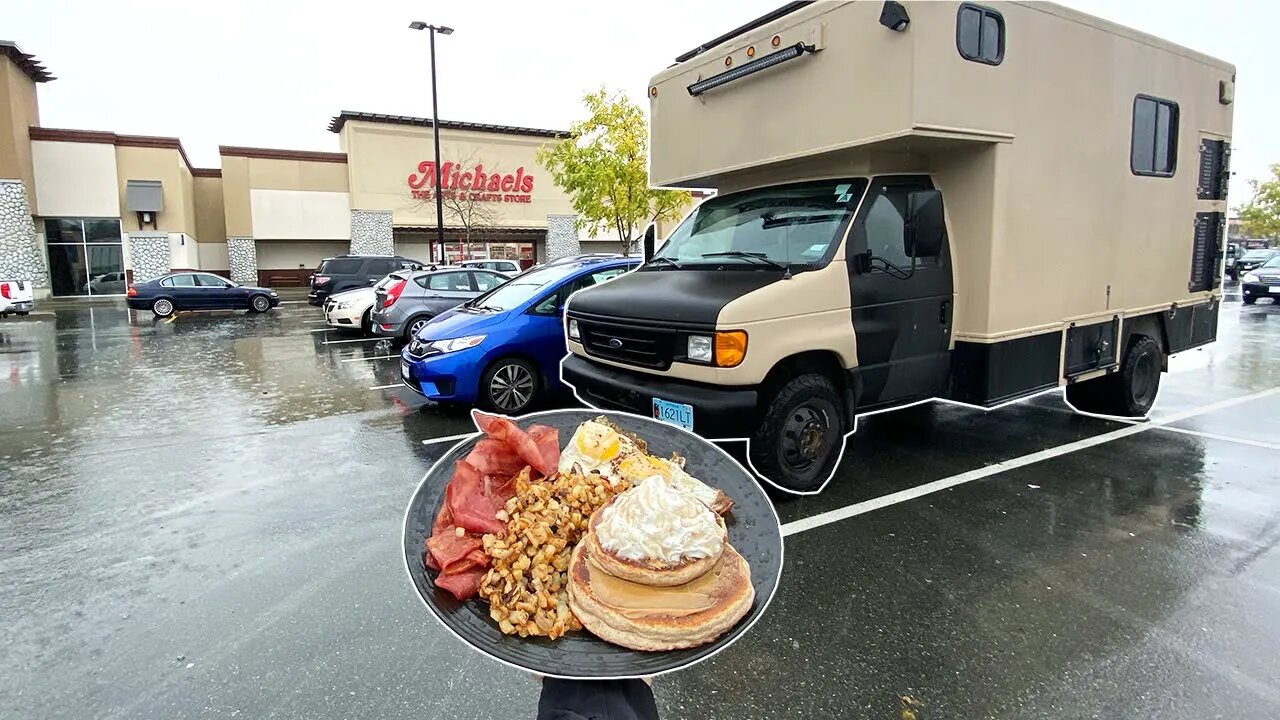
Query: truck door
{"x": 901, "y": 314}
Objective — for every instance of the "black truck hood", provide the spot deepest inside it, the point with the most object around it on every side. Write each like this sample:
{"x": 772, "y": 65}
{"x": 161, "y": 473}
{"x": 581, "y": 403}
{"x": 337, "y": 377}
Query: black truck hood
{"x": 680, "y": 296}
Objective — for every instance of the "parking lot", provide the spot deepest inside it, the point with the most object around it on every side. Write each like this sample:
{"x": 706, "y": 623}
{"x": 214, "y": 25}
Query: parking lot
{"x": 201, "y": 518}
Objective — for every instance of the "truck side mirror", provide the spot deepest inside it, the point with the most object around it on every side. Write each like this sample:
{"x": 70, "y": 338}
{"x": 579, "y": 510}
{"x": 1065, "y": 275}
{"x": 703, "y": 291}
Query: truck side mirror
{"x": 649, "y": 234}
{"x": 925, "y": 228}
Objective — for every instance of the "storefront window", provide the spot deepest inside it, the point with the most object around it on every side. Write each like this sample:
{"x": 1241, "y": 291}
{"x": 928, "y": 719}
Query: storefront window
{"x": 86, "y": 256}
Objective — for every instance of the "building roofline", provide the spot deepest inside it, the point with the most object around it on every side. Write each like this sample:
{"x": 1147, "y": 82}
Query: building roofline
{"x": 109, "y": 138}
{"x": 26, "y": 62}
{"x": 206, "y": 172}
{"x": 278, "y": 154}
{"x": 335, "y": 125}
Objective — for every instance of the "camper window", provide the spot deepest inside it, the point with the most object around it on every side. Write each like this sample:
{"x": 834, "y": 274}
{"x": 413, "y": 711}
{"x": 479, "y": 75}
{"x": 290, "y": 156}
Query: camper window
{"x": 1154, "y": 148}
{"x": 980, "y": 34}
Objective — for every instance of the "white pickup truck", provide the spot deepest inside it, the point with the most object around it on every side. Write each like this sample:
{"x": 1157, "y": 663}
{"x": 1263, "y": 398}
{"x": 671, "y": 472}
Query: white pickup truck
{"x": 15, "y": 297}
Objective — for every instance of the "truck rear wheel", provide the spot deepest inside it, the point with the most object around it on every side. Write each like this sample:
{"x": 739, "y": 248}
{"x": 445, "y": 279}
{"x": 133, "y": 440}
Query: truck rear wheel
{"x": 1128, "y": 393}
{"x": 801, "y": 428}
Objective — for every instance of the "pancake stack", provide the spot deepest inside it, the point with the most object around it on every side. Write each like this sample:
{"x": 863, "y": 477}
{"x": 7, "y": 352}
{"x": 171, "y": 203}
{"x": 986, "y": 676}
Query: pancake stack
{"x": 634, "y": 585}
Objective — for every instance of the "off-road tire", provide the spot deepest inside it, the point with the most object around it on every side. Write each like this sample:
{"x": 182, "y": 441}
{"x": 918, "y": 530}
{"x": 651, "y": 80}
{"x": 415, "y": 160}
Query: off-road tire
{"x": 777, "y": 450}
{"x": 1129, "y": 392}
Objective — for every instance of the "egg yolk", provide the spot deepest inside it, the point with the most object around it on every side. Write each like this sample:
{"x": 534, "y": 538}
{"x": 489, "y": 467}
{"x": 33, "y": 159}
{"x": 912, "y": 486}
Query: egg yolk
{"x": 597, "y": 445}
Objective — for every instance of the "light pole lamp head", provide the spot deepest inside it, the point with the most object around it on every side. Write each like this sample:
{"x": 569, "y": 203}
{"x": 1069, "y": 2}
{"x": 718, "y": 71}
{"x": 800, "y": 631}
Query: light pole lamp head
{"x": 419, "y": 25}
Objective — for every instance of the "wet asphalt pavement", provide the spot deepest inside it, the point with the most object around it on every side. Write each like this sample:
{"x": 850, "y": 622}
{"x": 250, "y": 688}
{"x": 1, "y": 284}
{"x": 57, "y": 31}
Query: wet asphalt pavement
{"x": 201, "y": 518}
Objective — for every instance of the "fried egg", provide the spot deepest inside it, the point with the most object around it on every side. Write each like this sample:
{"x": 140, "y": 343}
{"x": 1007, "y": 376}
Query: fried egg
{"x": 596, "y": 448}
{"x": 639, "y": 466}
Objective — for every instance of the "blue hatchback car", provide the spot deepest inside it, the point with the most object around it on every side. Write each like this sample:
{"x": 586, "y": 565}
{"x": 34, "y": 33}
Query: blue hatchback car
{"x": 502, "y": 350}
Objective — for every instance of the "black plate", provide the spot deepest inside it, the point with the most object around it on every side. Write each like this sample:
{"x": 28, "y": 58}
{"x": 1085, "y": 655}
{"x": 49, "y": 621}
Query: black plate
{"x": 753, "y": 531}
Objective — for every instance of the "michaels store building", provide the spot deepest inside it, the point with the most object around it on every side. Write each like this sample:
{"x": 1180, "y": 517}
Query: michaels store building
{"x": 84, "y": 212}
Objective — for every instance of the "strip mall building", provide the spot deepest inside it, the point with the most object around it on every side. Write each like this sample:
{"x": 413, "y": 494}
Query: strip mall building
{"x": 82, "y": 212}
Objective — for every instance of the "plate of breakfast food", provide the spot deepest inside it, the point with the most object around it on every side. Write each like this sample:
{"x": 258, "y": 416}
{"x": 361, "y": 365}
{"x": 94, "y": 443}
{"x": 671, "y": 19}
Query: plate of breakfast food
{"x": 590, "y": 545}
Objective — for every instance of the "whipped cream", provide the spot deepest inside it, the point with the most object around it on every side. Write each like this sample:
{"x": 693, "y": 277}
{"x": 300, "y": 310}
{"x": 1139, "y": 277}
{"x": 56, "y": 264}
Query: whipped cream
{"x": 655, "y": 521}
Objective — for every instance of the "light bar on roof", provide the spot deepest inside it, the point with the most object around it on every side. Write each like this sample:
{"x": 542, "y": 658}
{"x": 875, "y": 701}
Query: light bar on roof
{"x": 755, "y": 66}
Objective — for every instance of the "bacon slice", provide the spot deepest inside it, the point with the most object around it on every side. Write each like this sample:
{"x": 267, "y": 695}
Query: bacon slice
{"x": 548, "y": 441}
{"x": 473, "y": 508}
{"x": 494, "y": 457}
{"x": 500, "y": 428}
{"x": 447, "y": 550}
{"x": 462, "y": 585}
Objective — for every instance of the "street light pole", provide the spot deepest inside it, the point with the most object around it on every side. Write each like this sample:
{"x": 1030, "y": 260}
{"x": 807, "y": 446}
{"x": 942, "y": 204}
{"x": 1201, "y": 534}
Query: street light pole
{"x": 435, "y": 125}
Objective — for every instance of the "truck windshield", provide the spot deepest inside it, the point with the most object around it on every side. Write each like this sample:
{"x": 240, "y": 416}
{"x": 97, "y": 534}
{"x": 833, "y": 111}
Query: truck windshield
{"x": 780, "y": 227}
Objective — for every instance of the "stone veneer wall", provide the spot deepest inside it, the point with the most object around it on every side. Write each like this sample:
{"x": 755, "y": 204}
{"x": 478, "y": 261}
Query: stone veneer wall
{"x": 562, "y": 237}
{"x": 20, "y": 255}
{"x": 242, "y": 257}
{"x": 371, "y": 233}
{"x": 149, "y": 255}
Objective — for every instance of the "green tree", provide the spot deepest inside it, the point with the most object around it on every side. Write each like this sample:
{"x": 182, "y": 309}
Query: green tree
{"x": 1260, "y": 217}
{"x": 603, "y": 167}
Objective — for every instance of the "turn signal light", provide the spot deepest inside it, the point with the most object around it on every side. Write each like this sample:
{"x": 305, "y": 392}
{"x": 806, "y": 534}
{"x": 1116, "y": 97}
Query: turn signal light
{"x": 731, "y": 347}
{"x": 132, "y": 292}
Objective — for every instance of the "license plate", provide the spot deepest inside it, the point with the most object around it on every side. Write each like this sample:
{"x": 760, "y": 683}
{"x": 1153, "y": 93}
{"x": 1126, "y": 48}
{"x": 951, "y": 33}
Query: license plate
{"x": 404, "y": 370}
{"x": 678, "y": 414}
{"x": 1274, "y": 289}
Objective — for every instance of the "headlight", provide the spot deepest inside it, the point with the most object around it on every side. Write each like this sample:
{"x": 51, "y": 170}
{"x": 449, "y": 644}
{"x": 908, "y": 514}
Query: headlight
{"x": 342, "y": 306}
{"x": 574, "y": 334}
{"x": 275, "y": 294}
{"x": 1251, "y": 277}
{"x": 699, "y": 348}
{"x": 457, "y": 344}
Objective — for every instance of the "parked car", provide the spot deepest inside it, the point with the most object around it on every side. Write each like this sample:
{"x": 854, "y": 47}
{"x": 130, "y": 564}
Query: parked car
{"x": 1253, "y": 259}
{"x": 402, "y": 307}
{"x": 1262, "y": 282}
{"x": 16, "y": 298}
{"x": 1234, "y": 251}
{"x": 112, "y": 283}
{"x": 350, "y": 309}
{"x": 502, "y": 350}
{"x": 510, "y": 268}
{"x": 198, "y": 291}
{"x": 347, "y": 272}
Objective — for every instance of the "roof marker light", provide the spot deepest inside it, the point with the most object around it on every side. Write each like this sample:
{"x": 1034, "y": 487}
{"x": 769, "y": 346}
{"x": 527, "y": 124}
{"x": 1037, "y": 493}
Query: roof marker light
{"x": 768, "y": 61}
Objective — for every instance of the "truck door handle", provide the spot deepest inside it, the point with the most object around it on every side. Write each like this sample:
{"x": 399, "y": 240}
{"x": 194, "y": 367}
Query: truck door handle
{"x": 942, "y": 312}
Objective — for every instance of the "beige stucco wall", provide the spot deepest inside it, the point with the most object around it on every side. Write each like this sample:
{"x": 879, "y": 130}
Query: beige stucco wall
{"x": 167, "y": 166}
{"x": 75, "y": 179}
{"x": 211, "y": 222}
{"x": 18, "y": 111}
{"x": 213, "y": 255}
{"x": 381, "y": 157}
{"x": 273, "y": 174}
{"x": 300, "y": 214}
{"x": 235, "y": 196}
{"x": 184, "y": 252}
{"x": 296, "y": 254}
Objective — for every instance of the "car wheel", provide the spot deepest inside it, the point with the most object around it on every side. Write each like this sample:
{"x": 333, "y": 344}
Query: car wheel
{"x": 509, "y": 385}
{"x": 799, "y": 437}
{"x": 366, "y": 322}
{"x": 259, "y": 303}
{"x": 163, "y": 307}
{"x": 412, "y": 327}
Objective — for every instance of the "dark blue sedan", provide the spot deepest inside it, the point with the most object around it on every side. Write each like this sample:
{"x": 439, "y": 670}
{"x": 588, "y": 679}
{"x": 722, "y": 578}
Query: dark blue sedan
{"x": 502, "y": 350}
{"x": 198, "y": 291}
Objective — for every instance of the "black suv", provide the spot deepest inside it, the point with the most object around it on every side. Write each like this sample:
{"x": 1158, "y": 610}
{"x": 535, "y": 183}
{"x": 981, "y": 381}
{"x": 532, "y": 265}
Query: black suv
{"x": 348, "y": 272}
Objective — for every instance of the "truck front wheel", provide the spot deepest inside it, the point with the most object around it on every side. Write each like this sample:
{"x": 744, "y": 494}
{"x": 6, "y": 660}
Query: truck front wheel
{"x": 801, "y": 428}
{"x": 1128, "y": 393}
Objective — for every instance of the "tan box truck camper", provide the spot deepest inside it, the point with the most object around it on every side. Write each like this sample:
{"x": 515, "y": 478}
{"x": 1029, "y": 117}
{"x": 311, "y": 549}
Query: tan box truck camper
{"x": 915, "y": 200}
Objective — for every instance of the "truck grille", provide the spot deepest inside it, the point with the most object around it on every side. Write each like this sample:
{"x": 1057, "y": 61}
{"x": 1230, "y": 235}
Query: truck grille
{"x": 630, "y": 344}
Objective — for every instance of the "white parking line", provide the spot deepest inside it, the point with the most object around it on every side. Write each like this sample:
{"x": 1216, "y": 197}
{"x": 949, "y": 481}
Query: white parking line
{"x": 446, "y": 438}
{"x": 387, "y": 387}
{"x": 816, "y": 521}
{"x": 323, "y": 329}
{"x": 1215, "y": 436}
{"x": 375, "y": 357}
{"x": 339, "y": 342}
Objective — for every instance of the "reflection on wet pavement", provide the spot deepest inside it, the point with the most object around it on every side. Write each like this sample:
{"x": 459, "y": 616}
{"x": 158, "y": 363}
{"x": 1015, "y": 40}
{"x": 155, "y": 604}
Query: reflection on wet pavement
{"x": 201, "y": 518}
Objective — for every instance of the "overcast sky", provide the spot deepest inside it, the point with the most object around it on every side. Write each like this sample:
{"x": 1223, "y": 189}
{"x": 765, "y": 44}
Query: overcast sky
{"x": 270, "y": 73}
